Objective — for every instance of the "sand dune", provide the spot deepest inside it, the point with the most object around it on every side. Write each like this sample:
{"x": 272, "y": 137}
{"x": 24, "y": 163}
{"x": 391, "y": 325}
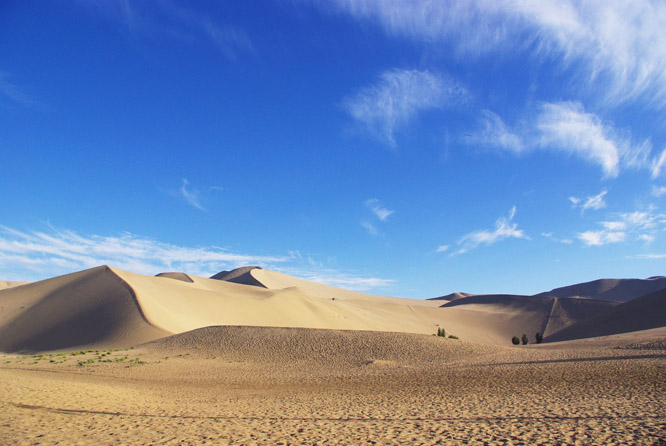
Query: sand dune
{"x": 551, "y": 314}
{"x": 92, "y": 307}
{"x": 329, "y": 348}
{"x": 4, "y": 284}
{"x": 176, "y": 276}
{"x": 105, "y": 306}
{"x": 452, "y": 296}
{"x": 643, "y": 313}
{"x": 617, "y": 290}
{"x": 241, "y": 275}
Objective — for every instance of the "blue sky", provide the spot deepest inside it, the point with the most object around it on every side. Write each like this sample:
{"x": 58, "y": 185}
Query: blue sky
{"x": 408, "y": 148}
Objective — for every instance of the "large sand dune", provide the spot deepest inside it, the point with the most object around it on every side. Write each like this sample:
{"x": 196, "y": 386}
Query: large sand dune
{"x": 89, "y": 308}
{"x": 107, "y": 307}
{"x": 643, "y": 313}
{"x": 617, "y": 290}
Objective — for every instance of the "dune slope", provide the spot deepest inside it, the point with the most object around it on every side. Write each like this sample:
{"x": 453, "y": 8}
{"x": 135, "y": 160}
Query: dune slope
{"x": 643, "y": 313}
{"x": 617, "y": 290}
{"x": 92, "y": 307}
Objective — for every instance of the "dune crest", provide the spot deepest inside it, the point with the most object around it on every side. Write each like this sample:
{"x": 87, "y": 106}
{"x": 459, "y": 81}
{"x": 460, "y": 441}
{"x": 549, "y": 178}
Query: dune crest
{"x": 616, "y": 290}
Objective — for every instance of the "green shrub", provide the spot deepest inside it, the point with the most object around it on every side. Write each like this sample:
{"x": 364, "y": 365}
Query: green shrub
{"x": 515, "y": 340}
{"x": 539, "y": 338}
{"x": 441, "y": 332}
{"x": 524, "y": 339}
{"x": 453, "y": 337}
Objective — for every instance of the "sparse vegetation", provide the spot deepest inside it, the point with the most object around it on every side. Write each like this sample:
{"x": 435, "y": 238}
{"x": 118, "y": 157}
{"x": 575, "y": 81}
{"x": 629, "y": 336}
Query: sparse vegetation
{"x": 441, "y": 332}
{"x": 538, "y": 337}
{"x": 524, "y": 339}
{"x": 515, "y": 340}
{"x": 453, "y": 337}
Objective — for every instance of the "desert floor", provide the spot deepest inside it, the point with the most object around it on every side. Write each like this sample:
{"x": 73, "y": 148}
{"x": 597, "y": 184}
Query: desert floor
{"x": 242, "y": 385}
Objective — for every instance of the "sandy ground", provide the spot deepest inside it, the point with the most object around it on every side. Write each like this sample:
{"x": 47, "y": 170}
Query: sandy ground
{"x": 242, "y": 385}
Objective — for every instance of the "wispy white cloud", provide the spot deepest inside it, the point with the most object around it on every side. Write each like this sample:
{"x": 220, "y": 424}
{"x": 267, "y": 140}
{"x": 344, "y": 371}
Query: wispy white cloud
{"x": 658, "y": 164}
{"x": 602, "y": 237}
{"x": 658, "y": 191}
{"x": 442, "y": 248}
{"x": 594, "y": 202}
{"x": 504, "y": 228}
{"x": 55, "y": 250}
{"x": 638, "y": 225}
{"x": 182, "y": 21}
{"x": 369, "y": 227}
{"x": 495, "y": 133}
{"x": 618, "y": 47}
{"x": 377, "y": 208}
{"x": 398, "y": 97}
{"x": 14, "y": 92}
{"x": 566, "y": 127}
{"x": 550, "y": 236}
{"x": 36, "y": 255}
{"x": 649, "y": 256}
{"x": 191, "y": 196}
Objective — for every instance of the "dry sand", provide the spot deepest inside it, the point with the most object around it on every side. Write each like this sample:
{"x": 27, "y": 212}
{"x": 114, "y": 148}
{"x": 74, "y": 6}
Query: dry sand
{"x": 277, "y": 360}
{"x": 253, "y": 385}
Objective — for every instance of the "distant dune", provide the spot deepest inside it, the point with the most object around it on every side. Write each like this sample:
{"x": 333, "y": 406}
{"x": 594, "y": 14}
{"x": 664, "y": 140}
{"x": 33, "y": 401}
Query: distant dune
{"x": 452, "y": 296}
{"x": 616, "y": 290}
{"x": 241, "y": 275}
{"x": 176, "y": 276}
{"x": 551, "y": 314}
{"x": 107, "y": 307}
{"x": 643, "y": 313}
{"x": 4, "y": 284}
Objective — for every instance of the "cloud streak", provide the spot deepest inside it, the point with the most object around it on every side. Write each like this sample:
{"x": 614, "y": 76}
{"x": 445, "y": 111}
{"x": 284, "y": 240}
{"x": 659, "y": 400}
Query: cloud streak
{"x": 565, "y": 127}
{"x": 618, "y": 47}
{"x": 169, "y": 19}
{"x": 504, "y": 228}
{"x": 15, "y": 93}
{"x": 639, "y": 225}
{"x": 191, "y": 196}
{"x": 594, "y": 202}
{"x": 378, "y": 209}
{"x": 38, "y": 254}
{"x": 397, "y": 98}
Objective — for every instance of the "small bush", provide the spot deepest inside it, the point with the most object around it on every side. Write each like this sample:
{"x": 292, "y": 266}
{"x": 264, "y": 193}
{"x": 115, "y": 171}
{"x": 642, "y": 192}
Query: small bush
{"x": 453, "y": 337}
{"x": 524, "y": 339}
{"x": 515, "y": 340}
{"x": 441, "y": 332}
{"x": 539, "y": 338}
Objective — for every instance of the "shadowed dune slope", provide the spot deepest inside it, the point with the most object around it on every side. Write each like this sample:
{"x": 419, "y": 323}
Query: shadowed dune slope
{"x": 239, "y": 275}
{"x": 617, "y": 290}
{"x": 92, "y": 307}
{"x": 642, "y": 313}
{"x": 328, "y": 347}
{"x": 176, "y": 276}
{"x": 542, "y": 314}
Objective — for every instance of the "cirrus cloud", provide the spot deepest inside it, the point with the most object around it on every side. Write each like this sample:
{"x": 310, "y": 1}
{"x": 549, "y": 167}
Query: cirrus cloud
{"x": 397, "y": 97}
